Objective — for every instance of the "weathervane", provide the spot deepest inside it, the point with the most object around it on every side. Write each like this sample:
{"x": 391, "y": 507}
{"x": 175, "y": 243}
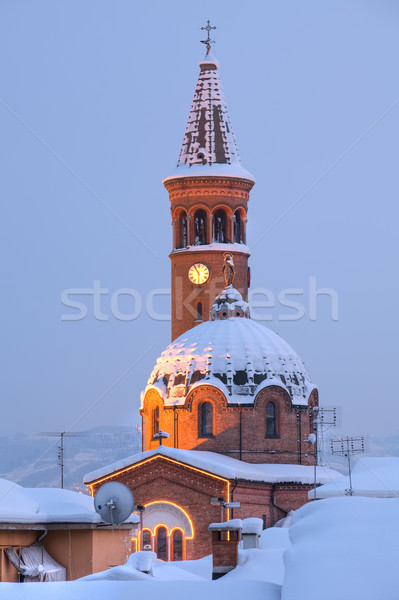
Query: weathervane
{"x": 208, "y": 41}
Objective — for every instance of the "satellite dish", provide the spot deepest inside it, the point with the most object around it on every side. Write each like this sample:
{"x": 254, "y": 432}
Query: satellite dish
{"x": 114, "y": 502}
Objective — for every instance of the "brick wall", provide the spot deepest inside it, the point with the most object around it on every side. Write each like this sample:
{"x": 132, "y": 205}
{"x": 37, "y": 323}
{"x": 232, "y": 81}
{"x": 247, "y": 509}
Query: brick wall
{"x": 256, "y": 446}
{"x": 192, "y": 490}
{"x": 209, "y": 194}
{"x": 159, "y": 479}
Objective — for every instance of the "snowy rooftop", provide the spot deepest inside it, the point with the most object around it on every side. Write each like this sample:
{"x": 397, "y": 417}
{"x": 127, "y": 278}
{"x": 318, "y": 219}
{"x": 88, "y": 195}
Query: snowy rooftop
{"x": 238, "y": 356}
{"x": 224, "y": 466}
{"x": 209, "y": 147}
{"x": 377, "y": 477}
{"x": 336, "y": 548}
{"x": 46, "y": 505}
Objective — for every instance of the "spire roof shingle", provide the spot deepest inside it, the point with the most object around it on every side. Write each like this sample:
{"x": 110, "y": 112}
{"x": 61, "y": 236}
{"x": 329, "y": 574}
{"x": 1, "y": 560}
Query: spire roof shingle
{"x": 209, "y": 146}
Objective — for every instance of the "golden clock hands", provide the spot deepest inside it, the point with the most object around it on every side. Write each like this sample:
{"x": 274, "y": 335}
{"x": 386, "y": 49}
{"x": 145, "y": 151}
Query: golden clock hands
{"x": 198, "y": 274}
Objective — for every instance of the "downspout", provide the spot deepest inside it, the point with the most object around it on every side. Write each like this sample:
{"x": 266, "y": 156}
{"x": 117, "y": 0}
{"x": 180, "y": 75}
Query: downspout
{"x": 142, "y": 433}
{"x": 273, "y": 502}
{"x": 240, "y": 432}
{"x": 299, "y": 419}
{"x": 43, "y": 535}
{"x": 174, "y": 426}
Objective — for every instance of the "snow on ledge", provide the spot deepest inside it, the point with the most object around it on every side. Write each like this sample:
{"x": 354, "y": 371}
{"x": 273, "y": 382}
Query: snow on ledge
{"x": 216, "y": 170}
{"x": 215, "y": 246}
{"x": 223, "y": 466}
{"x": 46, "y": 505}
{"x": 232, "y": 525}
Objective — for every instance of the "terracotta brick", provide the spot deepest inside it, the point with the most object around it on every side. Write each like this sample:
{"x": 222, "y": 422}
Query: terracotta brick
{"x": 209, "y": 194}
{"x": 182, "y": 425}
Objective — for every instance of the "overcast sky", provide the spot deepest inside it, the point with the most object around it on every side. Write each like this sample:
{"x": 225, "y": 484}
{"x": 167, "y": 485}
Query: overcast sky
{"x": 94, "y": 101}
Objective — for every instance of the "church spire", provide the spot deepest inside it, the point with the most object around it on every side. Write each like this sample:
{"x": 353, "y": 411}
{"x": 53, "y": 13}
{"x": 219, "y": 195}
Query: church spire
{"x": 209, "y": 143}
{"x": 209, "y": 194}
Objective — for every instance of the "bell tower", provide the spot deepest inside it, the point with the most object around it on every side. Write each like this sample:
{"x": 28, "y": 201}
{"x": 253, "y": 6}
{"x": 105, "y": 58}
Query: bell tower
{"x": 209, "y": 193}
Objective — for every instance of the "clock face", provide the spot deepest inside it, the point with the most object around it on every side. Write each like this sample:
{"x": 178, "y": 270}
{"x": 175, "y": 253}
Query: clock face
{"x": 198, "y": 273}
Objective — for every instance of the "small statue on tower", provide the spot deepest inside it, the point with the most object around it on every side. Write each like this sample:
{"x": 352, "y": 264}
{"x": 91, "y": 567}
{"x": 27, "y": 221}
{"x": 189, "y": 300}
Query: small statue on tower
{"x": 228, "y": 269}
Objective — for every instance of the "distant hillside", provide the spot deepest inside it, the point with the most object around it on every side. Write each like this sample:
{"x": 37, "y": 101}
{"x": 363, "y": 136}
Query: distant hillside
{"x": 32, "y": 460}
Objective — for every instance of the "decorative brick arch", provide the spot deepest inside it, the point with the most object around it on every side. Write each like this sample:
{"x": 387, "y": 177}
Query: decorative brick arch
{"x": 151, "y": 399}
{"x": 273, "y": 393}
{"x": 198, "y": 206}
{"x": 205, "y": 391}
{"x": 223, "y": 206}
{"x": 169, "y": 514}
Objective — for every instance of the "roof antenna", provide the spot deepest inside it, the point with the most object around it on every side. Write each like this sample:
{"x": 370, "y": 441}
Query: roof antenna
{"x": 208, "y": 40}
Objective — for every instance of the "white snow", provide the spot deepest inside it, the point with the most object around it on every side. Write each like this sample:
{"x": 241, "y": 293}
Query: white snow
{"x": 371, "y": 476}
{"x": 337, "y": 548}
{"x": 265, "y": 563}
{"x": 217, "y": 349}
{"x": 252, "y": 525}
{"x": 343, "y": 548}
{"x": 217, "y": 247}
{"x": 232, "y": 525}
{"x": 46, "y": 505}
{"x": 144, "y": 566}
{"x": 214, "y": 170}
{"x": 224, "y": 466}
{"x": 128, "y": 590}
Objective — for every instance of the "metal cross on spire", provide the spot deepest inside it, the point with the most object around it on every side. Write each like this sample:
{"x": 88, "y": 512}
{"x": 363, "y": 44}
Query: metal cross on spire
{"x": 208, "y": 41}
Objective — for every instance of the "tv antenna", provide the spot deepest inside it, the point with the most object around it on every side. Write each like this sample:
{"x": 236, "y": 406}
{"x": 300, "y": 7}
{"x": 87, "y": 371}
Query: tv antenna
{"x": 324, "y": 416}
{"x": 114, "y": 502}
{"x": 346, "y": 447}
{"x": 61, "y": 435}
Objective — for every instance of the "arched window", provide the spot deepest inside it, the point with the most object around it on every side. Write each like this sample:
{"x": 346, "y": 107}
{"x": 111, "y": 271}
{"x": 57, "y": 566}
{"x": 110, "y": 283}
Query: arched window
{"x": 271, "y": 428}
{"x": 237, "y": 227}
{"x": 199, "y": 311}
{"x": 206, "y": 419}
{"x": 182, "y": 233}
{"x": 162, "y": 543}
{"x": 147, "y": 539}
{"x": 200, "y": 230}
{"x": 177, "y": 541}
{"x": 155, "y": 420}
{"x": 220, "y": 227}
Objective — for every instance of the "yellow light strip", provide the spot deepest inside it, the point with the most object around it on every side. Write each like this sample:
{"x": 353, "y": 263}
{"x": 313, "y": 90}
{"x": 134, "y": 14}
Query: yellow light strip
{"x": 177, "y": 462}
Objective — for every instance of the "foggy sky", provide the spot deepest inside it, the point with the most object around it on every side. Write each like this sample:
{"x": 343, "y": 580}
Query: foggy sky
{"x": 94, "y": 102}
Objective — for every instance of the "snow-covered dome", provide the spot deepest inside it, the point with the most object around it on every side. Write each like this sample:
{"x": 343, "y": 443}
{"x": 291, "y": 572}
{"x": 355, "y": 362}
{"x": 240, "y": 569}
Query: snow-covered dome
{"x": 237, "y": 355}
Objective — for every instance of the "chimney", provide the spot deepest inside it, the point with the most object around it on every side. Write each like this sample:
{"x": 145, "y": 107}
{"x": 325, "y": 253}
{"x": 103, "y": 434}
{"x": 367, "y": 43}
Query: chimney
{"x": 225, "y": 539}
{"x": 251, "y": 530}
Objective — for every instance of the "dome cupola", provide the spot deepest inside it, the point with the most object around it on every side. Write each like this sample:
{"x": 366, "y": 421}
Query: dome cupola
{"x": 229, "y": 303}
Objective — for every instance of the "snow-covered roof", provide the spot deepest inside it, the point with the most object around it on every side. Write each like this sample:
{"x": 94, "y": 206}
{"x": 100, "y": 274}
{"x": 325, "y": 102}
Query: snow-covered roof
{"x": 224, "y": 466}
{"x": 209, "y": 147}
{"x": 229, "y": 303}
{"x": 376, "y": 477}
{"x": 46, "y": 505}
{"x": 237, "y": 355}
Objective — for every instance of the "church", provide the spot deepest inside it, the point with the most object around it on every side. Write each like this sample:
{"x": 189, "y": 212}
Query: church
{"x": 229, "y": 406}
